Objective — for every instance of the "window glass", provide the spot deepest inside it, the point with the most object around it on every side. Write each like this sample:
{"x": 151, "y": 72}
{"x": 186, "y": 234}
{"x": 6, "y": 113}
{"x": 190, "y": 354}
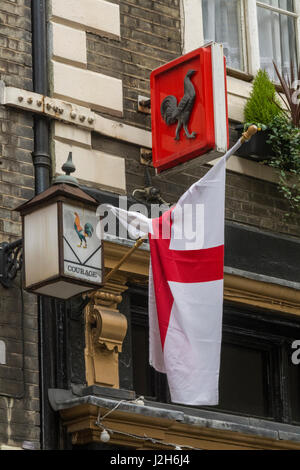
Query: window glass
{"x": 277, "y": 40}
{"x": 243, "y": 376}
{"x": 293, "y": 384}
{"x": 222, "y": 24}
{"x": 283, "y": 4}
{"x": 141, "y": 380}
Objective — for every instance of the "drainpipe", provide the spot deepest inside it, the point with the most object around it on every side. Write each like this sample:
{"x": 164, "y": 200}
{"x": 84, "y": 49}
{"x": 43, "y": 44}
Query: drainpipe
{"x": 41, "y": 156}
{"x": 42, "y": 167}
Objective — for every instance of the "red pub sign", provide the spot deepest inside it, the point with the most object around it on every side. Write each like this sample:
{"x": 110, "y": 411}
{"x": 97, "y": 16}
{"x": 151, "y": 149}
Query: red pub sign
{"x": 189, "y": 107}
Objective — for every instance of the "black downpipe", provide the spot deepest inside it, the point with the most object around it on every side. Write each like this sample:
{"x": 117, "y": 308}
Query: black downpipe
{"x": 42, "y": 167}
{"x": 41, "y": 156}
{"x": 54, "y": 348}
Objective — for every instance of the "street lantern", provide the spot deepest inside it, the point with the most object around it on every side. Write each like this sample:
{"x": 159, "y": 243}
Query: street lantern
{"x": 61, "y": 239}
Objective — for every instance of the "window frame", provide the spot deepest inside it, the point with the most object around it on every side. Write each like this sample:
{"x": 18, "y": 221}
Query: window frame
{"x": 295, "y": 14}
{"x": 193, "y": 36}
{"x": 250, "y": 326}
{"x": 243, "y": 38}
{"x": 261, "y": 343}
{"x": 242, "y": 325}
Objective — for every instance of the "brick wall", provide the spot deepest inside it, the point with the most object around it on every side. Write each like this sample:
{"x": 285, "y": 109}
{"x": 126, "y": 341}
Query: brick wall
{"x": 19, "y": 389}
{"x": 150, "y": 37}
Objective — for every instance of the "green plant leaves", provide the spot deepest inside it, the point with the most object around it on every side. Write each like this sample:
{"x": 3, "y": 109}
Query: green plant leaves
{"x": 285, "y": 140}
{"x": 287, "y": 84}
{"x": 262, "y": 106}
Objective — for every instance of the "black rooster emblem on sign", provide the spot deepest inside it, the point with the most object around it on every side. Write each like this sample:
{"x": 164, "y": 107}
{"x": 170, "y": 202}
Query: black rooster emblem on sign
{"x": 172, "y": 113}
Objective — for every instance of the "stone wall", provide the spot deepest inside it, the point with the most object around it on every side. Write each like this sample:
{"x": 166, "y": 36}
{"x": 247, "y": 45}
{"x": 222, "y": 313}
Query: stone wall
{"x": 19, "y": 376}
{"x": 150, "y": 37}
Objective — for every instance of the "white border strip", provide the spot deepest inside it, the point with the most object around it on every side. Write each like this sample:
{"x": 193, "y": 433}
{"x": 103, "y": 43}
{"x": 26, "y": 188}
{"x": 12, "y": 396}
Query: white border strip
{"x": 70, "y": 113}
{"x": 219, "y": 97}
{"x": 9, "y": 96}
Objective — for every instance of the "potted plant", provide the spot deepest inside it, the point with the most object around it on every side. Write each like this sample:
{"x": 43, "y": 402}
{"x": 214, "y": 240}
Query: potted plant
{"x": 284, "y": 138}
{"x": 261, "y": 108}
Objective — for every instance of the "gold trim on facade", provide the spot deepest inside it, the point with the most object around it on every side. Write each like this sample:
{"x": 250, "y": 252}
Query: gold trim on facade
{"x": 261, "y": 294}
{"x": 80, "y": 421}
{"x": 237, "y": 289}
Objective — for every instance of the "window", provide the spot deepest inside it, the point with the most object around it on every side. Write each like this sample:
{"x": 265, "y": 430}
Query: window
{"x": 257, "y": 377}
{"x": 253, "y": 32}
{"x": 277, "y": 35}
{"x": 246, "y": 364}
{"x": 146, "y": 381}
{"x": 222, "y": 23}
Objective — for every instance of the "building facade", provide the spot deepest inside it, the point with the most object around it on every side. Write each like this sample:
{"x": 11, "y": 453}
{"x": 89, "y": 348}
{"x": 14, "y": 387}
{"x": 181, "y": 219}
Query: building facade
{"x": 75, "y": 77}
{"x": 20, "y": 409}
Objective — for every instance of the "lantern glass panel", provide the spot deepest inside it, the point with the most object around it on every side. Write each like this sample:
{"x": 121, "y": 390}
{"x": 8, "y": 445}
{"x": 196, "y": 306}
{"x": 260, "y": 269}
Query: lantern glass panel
{"x": 82, "y": 244}
{"x": 41, "y": 245}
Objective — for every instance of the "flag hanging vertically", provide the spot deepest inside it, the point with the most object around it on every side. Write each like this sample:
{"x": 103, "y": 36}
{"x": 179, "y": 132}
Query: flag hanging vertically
{"x": 186, "y": 291}
{"x": 186, "y": 287}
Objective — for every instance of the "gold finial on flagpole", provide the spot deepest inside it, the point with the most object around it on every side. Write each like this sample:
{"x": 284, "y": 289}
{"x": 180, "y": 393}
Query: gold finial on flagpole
{"x": 251, "y": 131}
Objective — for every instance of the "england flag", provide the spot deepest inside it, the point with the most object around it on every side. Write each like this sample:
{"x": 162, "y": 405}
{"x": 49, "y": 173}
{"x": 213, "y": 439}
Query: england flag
{"x": 186, "y": 287}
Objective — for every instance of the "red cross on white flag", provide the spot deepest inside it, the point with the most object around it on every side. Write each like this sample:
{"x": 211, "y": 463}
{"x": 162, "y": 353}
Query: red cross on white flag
{"x": 186, "y": 293}
{"x": 186, "y": 287}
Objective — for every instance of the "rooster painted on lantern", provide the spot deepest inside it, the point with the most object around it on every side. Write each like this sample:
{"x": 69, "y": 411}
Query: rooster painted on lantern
{"x": 83, "y": 233}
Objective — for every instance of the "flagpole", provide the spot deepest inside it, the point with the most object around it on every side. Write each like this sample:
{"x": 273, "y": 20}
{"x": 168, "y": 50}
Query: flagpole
{"x": 252, "y": 130}
{"x": 137, "y": 244}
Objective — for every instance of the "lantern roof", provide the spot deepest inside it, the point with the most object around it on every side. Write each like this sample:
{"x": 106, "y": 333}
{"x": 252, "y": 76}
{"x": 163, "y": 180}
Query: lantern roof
{"x": 64, "y": 188}
{"x": 68, "y": 167}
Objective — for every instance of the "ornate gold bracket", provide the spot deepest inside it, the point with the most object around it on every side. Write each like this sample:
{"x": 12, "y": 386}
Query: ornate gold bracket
{"x": 108, "y": 328}
{"x": 105, "y": 330}
{"x": 105, "y": 326}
